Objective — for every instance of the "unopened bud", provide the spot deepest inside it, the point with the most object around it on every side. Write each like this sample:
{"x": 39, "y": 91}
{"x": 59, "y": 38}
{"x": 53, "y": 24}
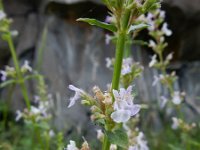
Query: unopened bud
{"x": 85, "y": 146}
{"x": 108, "y": 99}
{"x": 99, "y": 95}
{"x": 85, "y": 102}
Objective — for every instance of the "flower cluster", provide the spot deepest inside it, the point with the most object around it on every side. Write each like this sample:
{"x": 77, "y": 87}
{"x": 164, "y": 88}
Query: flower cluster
{"x": 38, "y": 113}
{"x": 11, "y": 72}
{"x": 141, "y": 143}
{"x": 178, "y": 123}
{"x": 124, "y": 108}
{"x": 158, "y": 30}
{"x": 72, "y": 146}
{"x": 129, "y": 72}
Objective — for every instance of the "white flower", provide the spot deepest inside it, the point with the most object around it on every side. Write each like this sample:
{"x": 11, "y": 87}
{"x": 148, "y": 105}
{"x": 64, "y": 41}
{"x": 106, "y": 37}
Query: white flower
{"x": 2, "y": 15}
{"x": 176, "y": 99}
{"x": 141, "y": 143}
{"x": 169, "y": 56}
{"x": 71, "y": 146}
{"x": 100, "y": 134}
{"x": 123, "y": 105}
{"x": 162, "y": 14}
{"x": 51, "y": 133}
{"x": 3, "y": 75}
{"x": 165, "y": 30}
{"x": 14, "y": 33}
{"x": 153, "y": 60}
{"x": 108, "y": 38}
{"x": 35, "y": 110}
{"x": 26, "y": 66}
{"x": 152, "y": 44}
{"x": 78, "y": 94}
{"x": 164, "y": 100}
{"x": 175, "y": 123}
{"x": 113, "y": 147}
{"x": 108, "y": 62}
{"x": 126, "y": 66}
{"x": 19, "y": 115}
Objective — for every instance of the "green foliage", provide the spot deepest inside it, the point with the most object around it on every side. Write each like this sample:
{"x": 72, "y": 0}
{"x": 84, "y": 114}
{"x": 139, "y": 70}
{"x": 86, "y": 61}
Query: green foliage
{"x": 137, "y": 27}
{"x": 97, "y": 23}
{"x": 118, "y": 137}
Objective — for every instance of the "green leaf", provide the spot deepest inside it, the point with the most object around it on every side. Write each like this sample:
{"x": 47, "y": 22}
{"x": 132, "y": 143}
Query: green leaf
{"x": 6, "y": 83}
{"x": 137, "y": 27}
{"x": 95, "y": 22}
{"x": 118, "y": 137}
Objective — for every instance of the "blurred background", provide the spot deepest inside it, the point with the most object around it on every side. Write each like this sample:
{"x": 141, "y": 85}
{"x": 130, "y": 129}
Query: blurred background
{"x": 70, "y": 52}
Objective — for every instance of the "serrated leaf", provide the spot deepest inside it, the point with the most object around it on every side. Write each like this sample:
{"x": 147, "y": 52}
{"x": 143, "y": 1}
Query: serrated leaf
{"x": 6, "y": 83}
{"x": 98, "y": 23}
{"x": 137, "y": 27}
{"x": 118, "y": 137}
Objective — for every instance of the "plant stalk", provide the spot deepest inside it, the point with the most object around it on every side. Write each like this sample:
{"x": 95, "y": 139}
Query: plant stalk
{"x": 18, "y": 71}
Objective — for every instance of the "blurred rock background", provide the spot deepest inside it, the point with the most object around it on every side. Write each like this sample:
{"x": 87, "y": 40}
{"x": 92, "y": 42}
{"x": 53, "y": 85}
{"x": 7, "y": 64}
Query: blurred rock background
{"x": 70, "y": 52}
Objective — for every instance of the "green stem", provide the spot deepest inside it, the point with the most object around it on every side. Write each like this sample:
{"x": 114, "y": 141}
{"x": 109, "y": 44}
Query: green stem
{"x": 18, "y": 71}
{"x": 118, "y": 60}
{"x": 106, "y": 143}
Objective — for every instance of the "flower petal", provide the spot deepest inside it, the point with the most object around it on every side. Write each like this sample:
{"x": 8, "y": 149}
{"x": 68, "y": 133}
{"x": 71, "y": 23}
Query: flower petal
{"x": 121, "y": 116}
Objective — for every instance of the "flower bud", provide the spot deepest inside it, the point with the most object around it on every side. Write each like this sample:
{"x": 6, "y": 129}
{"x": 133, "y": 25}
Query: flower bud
{"x": 85, "y": 146}
{"x": 99, "y": 95}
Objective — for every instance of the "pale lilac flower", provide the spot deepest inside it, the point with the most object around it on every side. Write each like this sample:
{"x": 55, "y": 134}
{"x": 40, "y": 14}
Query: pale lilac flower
{"x": 2, "y": 15}
{"x": 113, "y": 147}
{"x": 150, "y": 21}
{"x": 176, "y": 99}
{"x": 26, "y": 66}
{"x": 108, "y": 38}
{"x": 78, "y": 94}
{"x": 126, "y": 66}
{"x": 3, "y": 75}
{"x": 100, "y": 134}
{"x": 155, "y": 81}
{"x": 109, "y": 19}
{"x": 175, "y": 123}
{"x": 133, "y": 147}
{"x": 169, "y": 56}
{"x": 153, "y": 60}
{"x": 123, "y": 105}
{"x": 19, "y": 115}
{"x": 164, "y": 100}
{"x": 71, "y": 146}
{"x": 121, "y": 115}
{"x": 165, "y": 30}
{"x": 141, "y": 142}
{"x": 108, "y": 62}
